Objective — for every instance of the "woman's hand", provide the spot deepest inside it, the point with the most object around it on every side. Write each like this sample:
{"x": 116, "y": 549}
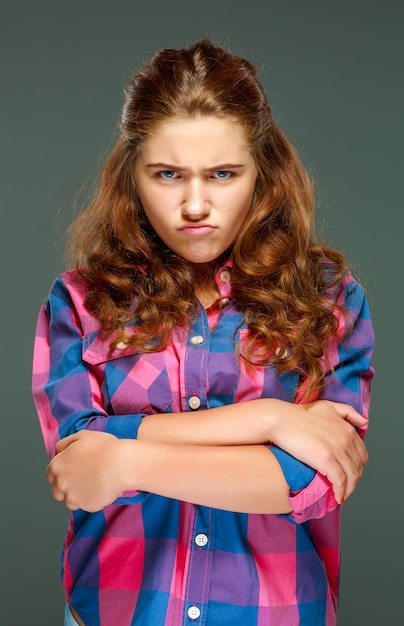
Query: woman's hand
{"x": 322, "y": 435}
{"x": 87, "y": 470}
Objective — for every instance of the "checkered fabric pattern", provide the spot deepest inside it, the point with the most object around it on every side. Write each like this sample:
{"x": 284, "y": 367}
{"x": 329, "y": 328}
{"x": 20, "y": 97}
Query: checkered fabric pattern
{"x": 150, "y": 560}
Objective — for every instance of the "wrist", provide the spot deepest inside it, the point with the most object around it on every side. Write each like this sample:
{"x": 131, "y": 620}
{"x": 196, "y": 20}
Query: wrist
{"x": 126, "y": 466}
{"x": 273, "y": 418}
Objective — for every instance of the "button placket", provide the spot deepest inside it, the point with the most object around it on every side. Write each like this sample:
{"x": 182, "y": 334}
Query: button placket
{"x": 201, "y": 544}
{"x": 196, "y": 359}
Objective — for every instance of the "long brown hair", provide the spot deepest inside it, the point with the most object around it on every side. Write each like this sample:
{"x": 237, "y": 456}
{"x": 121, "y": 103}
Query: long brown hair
{"x": 281, "y": 274}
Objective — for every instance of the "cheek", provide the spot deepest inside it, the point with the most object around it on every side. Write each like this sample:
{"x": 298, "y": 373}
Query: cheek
{"x": 241, "y": 206}
{"x": 161, "y": 200}
{"x": 156, "y": 220}
{"x": 154, "y": 205}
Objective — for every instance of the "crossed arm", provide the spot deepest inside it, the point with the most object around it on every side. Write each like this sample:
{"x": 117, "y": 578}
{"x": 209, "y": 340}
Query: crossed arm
{"x": 213, "y": 457}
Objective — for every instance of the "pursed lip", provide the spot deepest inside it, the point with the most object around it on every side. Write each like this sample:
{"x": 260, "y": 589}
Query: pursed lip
{"x": 196, "y": 228}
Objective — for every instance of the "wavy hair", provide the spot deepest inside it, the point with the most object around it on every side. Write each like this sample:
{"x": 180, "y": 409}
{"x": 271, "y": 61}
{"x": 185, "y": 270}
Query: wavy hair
{"x": 281, "y": 275}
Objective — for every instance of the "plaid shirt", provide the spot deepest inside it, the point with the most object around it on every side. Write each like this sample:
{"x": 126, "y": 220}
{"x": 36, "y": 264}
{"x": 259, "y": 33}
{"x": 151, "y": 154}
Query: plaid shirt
{"x": 146, "y": 559}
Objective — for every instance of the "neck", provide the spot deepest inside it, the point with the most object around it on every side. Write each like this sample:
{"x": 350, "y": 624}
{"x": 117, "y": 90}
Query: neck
{"x": 205, "y": 287}
{"x": 204, "y": 273}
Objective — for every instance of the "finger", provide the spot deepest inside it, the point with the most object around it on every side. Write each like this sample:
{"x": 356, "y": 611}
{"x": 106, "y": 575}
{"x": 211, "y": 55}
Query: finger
{"x": 338, "y": 479}
{"x": 349, "y": 414}
{"x": 331, "y": 466}
{"x": 57, "y": 494}
{"x": 351, "y": 484}
{"x": 352, "y": 455}
{"x": 52, "y": 470}
{"x": 343, "y": 485}
{"x": 49, "y": 474}
{"x": 64, "y": 443}
{"x": 70, "y": 505}
{"x": 353, "y": 467}
{"x": 356, "y": 452}
{"x": 344, "y": 472}
{"x": 61, "y": 496}
{"x": 361, "y": 450}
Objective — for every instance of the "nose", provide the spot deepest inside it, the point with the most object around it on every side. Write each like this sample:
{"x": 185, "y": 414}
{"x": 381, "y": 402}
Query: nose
{"x": 196, "y": 204}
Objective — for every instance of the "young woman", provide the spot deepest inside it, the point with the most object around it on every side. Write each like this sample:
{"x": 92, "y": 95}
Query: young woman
{"x": 202, "y": 377}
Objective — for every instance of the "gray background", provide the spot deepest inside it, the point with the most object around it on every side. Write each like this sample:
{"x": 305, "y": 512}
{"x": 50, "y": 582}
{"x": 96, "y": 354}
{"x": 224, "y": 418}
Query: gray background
{"x": 333, "y": 72}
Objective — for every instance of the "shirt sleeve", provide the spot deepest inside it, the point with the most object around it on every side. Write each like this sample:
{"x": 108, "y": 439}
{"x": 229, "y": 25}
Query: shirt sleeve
{"x": 66, "y": 391}
{"x": 348, "y": 379}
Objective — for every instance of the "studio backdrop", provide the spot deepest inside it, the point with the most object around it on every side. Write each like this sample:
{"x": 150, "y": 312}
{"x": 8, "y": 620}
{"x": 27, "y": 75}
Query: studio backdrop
{"x": 333, "y": 74}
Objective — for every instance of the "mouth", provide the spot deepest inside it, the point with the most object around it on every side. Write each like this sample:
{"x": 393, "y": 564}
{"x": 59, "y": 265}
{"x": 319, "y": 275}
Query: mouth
{"x": 197, "y": 229}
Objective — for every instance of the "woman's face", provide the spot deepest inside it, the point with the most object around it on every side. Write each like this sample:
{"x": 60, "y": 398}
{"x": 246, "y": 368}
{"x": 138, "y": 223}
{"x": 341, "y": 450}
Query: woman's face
{"x": 195, "y": 178}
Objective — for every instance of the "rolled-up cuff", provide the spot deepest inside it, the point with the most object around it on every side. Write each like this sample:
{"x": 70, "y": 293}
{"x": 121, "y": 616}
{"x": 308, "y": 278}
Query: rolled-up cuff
{"x": 314, "y": 501}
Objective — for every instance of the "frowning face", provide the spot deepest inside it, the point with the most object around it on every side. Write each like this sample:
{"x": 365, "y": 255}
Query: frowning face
{"x": 195, "y": 178}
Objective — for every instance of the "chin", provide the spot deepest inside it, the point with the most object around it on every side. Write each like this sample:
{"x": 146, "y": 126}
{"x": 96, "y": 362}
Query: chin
{"x": 201, "y": 260}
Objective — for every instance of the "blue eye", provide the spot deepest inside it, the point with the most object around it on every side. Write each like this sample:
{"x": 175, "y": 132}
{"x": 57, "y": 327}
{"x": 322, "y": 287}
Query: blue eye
{"x": 168, "y": 174}
{"x": 222, "y": 174}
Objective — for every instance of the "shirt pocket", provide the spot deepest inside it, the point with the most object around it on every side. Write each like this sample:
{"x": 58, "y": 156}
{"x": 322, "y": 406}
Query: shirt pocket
{"x": 131, "y": 382}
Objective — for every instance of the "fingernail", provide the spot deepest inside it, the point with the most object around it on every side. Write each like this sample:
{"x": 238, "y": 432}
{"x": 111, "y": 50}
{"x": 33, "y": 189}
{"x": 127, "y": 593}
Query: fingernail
{"x": 342, "y": 500}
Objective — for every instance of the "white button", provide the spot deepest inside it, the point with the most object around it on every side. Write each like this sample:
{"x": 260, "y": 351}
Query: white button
{"x": 225, "y": 301}
{"x": 194, "y": 402}
{"x": 225, "y": 276}
{"x": 196, "y": 340}
{"x": 194, "y": 612}
{"x": 201, "y": 540}
{"x": 121, "y": 345}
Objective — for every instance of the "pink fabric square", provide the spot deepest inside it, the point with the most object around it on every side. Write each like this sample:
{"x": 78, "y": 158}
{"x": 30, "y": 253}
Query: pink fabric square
{"x": 331, "y": 560}
{"x": 277, "y": 572}
{"x": 121, "y": 563}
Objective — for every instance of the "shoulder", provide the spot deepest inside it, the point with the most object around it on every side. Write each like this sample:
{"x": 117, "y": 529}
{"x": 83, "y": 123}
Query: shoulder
{"x": 351, "y": 295}
{"x": 69, "y": 284}
{"x": 343, "y": 290}
{"x": 69, "y": 290}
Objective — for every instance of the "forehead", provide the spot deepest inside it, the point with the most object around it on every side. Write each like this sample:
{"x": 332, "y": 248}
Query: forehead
{"x": 213, "y": 134}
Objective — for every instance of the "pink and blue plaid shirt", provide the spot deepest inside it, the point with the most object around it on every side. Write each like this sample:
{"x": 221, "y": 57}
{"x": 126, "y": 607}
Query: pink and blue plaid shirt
{"x": 150, "y": 560}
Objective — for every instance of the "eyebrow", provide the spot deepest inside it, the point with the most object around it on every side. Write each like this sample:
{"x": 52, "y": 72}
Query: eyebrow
{"x": 221, "y": 166}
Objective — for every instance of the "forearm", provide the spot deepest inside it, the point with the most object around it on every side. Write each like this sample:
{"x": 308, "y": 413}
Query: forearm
{"x": 236, "y": 478}
{"x": 319, "y": 434}
{"x": 266, "y": 420}
{"x": 213, "y": 458}
{"x": 92, "y": 470}
{"x": 235, "y": 424}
